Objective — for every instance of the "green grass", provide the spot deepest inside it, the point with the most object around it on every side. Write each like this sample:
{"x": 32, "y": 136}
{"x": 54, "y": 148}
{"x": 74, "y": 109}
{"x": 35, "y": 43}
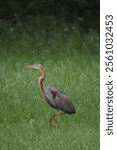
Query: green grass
{"x": 71, "y": 59}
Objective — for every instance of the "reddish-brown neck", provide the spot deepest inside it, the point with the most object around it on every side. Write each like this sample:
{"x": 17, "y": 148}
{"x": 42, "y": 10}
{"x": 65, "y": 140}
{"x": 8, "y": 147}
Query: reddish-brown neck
{"x": 41, "y": 79}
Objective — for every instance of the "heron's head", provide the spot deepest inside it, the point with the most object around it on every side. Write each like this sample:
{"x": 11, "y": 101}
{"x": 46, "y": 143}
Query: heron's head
{"x": 35, "y": 66}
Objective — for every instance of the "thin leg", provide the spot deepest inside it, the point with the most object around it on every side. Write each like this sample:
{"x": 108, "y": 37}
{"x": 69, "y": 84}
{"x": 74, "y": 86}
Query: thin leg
{"x": 59, "y": 116}
{"x": 51, "y": 119}
{"x": 59, "y": 119}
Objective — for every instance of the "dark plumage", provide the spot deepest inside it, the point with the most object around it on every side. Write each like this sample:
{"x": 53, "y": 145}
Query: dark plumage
{"x": 58, "y": 100}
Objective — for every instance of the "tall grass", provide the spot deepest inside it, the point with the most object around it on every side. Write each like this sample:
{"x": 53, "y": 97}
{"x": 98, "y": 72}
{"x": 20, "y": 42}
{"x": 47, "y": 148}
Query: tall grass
{"x": 71, "y": 59}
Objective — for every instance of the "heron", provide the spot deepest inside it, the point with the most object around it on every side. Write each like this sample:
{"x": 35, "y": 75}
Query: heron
{"x": 54, "y": 97}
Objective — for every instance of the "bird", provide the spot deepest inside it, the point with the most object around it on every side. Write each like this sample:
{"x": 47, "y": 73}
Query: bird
{"x": 54, "y": 97}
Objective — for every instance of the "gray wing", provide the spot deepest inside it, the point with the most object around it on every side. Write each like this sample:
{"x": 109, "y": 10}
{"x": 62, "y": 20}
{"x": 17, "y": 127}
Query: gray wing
{"x": 59, "y": 100}
{"x": 50, "y": 98}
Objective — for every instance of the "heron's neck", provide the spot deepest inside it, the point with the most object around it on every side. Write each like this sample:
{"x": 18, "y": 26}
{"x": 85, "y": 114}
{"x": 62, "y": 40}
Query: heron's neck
{"x": 40, "y": 81}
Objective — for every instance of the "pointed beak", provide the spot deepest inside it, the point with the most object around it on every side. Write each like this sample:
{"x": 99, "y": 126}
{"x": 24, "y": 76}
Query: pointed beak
{"x": 30, "y": 66}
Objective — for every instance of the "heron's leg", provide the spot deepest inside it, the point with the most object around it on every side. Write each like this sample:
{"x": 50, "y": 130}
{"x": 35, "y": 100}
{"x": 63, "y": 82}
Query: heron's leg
{"x": 51, "y": 119}
{"x": 59, "y": 119}
{"x": 59, "y": 115}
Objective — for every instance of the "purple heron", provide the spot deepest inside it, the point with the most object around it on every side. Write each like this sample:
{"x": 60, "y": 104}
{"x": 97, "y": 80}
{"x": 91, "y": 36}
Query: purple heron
{"x": 54, "y": 97}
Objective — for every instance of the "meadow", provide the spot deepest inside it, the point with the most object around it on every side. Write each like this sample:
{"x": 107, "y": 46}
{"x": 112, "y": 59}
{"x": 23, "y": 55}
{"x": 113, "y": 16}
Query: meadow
{"x": 71, "y": 59}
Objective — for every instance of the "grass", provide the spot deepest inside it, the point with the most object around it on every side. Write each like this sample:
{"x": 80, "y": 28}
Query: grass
{"x": 71, "y": 59}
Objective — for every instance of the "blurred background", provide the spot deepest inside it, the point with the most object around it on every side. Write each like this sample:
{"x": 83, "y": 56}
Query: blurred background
{"x": 86, "y": 11}
{"x": 63, "y": 36}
